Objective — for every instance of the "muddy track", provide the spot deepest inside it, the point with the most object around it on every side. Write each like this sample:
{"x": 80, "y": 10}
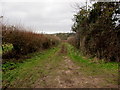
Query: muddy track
{"x": 57, "y": 70}
{"x": 67, "y": 75}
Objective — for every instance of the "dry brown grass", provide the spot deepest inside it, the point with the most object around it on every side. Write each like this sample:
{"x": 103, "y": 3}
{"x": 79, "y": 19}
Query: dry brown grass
{"x": 25, "y": 42}
{"x": 72, "y": 40}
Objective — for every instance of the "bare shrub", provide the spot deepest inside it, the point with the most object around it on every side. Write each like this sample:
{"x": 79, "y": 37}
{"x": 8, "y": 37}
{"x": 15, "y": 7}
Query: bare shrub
{"x": 25, "y": 42}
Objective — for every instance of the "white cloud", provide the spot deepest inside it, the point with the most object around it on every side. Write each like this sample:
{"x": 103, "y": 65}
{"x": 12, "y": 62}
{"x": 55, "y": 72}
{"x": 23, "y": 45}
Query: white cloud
{"x": 48, "y": 16}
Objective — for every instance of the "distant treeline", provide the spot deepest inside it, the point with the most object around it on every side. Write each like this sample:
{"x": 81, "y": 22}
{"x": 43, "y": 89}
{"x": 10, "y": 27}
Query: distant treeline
{"x": 23, "y": 41}
{"x": 64, "y": 36}
{"x": 98, "y": 31}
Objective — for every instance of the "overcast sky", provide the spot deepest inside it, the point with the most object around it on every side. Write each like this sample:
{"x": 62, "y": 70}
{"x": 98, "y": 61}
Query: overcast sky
{"x": 49, "y": 16}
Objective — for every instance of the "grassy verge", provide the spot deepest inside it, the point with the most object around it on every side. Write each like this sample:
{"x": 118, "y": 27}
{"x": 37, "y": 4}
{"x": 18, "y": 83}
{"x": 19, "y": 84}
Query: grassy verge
{"x": 28, "y": 72}
{"x": 107, "y": 71}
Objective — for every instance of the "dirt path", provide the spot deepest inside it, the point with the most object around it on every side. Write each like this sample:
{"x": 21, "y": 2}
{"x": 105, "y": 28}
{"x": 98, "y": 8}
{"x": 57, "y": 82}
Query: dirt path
{"x": 67, "y": 75}
{"x": 56, "y": 70}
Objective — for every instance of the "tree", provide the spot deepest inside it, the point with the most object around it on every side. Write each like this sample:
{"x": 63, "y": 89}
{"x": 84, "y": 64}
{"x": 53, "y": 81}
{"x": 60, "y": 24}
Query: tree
{"x": 96, "y": 30}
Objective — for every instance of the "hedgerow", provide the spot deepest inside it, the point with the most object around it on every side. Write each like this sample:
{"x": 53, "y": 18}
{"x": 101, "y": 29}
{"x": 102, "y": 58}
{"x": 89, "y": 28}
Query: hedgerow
{"x": 24, "y": 41}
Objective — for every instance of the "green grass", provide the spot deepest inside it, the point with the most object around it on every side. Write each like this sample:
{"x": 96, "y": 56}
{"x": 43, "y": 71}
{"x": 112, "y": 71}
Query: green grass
{"x": 108, "y": 71}
{"x": 26, "y": 73}
{"x": 41, "y": 63}
{"x": 9, "y": 66}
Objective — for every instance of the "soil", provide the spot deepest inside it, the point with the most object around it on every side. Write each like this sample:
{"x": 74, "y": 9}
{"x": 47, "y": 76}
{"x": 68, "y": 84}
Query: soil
{"x": 67, "y": 75}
